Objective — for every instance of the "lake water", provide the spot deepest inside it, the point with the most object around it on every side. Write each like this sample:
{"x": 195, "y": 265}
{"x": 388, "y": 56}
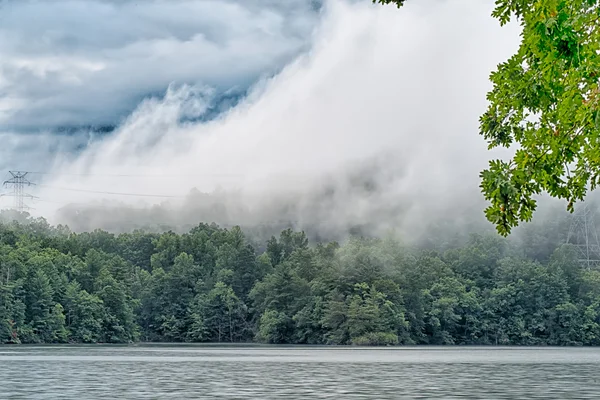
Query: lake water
{"x": 257, "y": 372}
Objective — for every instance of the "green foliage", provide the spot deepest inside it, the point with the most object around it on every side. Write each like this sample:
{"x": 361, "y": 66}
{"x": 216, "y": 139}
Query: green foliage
{"x": 274, "y": 327}
{"x": 85, "y": 314}
{"x": 209, "y": 285}
{"x": 224, "y": 314}
{"x": 376, "y": 339}
{"x": 370, "y": 313}
{"x": 452, "y": 312}
{"x": 399, "y": 3}
{"x": 546, "y": 100}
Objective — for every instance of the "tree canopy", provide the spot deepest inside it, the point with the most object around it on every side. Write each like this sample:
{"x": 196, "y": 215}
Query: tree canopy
{"x": 211, "y": 285}
{"x": 545, "y": 101}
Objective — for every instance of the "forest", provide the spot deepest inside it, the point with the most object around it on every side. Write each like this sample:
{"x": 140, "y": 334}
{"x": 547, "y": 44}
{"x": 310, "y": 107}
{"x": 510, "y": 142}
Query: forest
{"x": 215, "y": 284}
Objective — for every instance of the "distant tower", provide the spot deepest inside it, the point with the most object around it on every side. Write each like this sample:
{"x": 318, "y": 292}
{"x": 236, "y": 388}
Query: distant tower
{"x": 18, "y": 183}
{"x": 583, "y": 235}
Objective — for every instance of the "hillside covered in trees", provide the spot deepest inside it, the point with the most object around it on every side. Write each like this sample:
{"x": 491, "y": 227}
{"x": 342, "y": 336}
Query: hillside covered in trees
{"x": 212, "y": 285}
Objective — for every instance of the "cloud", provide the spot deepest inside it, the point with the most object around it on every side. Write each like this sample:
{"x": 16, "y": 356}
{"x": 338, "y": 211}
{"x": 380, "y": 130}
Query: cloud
{"x": 76, "y": 62}
{"x": 376, "y": 126}
{"x": 21, "y": 152}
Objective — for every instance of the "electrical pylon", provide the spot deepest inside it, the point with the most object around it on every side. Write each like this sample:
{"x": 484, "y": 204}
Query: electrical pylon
{"x": 584, "y": 236}
{"x": 18, "y": 182}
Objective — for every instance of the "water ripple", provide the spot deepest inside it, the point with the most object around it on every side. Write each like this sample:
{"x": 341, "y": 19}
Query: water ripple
{"x": 297, "y": 373}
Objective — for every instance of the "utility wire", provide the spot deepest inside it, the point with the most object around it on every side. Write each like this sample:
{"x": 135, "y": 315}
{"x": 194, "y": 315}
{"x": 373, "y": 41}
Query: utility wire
{"x": 56, "y": 202}
{"x": 137, "y": 175}
{"x": 112, "y": 193}
{"x": 3, "y": 195}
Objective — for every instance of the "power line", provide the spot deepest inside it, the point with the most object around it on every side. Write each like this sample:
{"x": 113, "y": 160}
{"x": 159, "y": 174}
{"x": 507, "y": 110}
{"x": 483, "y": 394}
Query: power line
{"x": 51, "y": 201}
{"x": 18, "y": 181}
{"x": 112, "y": 193}
{"x": 137, "y": 175}
{"x": 584, "y": 236}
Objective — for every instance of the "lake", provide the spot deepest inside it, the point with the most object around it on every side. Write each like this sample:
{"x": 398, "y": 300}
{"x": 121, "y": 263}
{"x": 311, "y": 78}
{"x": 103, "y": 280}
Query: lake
{"x": 263, "y": 372}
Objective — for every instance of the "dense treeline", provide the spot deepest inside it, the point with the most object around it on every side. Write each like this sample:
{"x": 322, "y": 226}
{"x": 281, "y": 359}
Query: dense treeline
{"x": 212, "y": 285}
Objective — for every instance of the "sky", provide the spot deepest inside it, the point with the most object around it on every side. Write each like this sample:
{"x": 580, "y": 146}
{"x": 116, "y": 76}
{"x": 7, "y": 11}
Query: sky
{"x": 69, "y": 67}
{"x": 336, "y": 115}
{"x": 74, "y": 62}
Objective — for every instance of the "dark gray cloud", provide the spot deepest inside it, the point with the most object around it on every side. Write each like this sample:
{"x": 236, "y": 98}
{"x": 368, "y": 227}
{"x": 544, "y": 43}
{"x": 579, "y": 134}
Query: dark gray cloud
{"x": 90, "y": 62}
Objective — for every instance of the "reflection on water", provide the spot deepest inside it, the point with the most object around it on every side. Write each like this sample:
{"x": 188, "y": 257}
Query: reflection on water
{"x": 213, "y": 372}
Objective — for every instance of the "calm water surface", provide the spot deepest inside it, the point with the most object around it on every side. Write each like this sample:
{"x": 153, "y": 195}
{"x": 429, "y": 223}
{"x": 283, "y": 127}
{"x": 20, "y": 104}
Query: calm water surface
{"x": 187, "y": 372}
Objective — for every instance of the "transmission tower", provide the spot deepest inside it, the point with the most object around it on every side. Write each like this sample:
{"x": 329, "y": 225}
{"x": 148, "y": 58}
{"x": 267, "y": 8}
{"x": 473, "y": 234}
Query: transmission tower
{"x": 584, "y": 236}
{"x": 18, "y": 181}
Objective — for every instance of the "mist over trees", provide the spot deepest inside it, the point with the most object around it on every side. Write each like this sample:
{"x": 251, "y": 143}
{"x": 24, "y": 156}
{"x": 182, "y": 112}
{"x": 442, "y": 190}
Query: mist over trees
{"x": 365, "y": 195}
{"x": 212, "y": 284}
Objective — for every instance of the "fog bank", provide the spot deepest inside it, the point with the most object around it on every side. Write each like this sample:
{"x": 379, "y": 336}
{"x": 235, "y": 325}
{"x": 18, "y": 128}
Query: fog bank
{"x": 375, "y": 127}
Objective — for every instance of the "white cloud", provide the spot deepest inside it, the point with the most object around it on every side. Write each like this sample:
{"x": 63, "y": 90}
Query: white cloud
{"x": 390, "y": 95}
{"x": 73, "y": 62}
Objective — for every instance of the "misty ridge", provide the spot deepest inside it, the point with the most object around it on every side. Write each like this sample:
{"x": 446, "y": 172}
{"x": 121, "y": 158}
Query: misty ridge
{"x": 357, "y": 201}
